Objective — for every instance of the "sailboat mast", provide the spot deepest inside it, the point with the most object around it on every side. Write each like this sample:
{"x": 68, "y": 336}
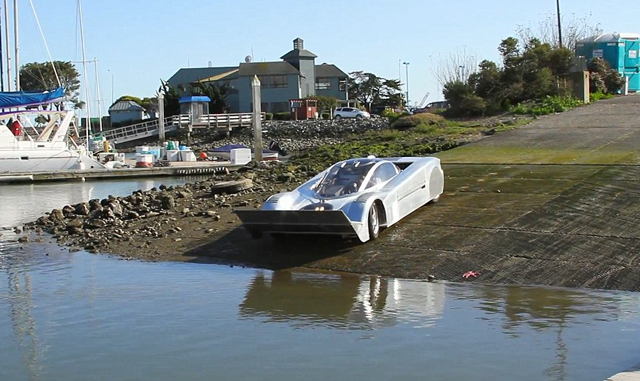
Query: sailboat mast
{"x": 84, "y": 69}
{"x": 98, "y": 95}
{"x": 17, "y": 46}
{"x": 7, "y": 44}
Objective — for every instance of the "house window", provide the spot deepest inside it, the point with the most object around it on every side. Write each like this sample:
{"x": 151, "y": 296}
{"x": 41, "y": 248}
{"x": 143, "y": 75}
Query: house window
{"x": 323, "y": 83}
{"x": 343, "y": 85}
{"x": 264, "y": 81}
{"x": 278, "y": 81}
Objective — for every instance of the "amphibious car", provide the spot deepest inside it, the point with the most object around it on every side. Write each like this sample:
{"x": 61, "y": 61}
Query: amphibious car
{"x": 355, "y": 197}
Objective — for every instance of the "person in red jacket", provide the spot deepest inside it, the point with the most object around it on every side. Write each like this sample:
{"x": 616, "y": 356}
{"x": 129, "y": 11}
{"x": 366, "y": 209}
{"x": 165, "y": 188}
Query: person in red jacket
{"x": 16, "y": 128}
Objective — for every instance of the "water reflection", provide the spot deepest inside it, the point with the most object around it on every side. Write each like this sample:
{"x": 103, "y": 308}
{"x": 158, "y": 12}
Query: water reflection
{"x": 341, "y": 301}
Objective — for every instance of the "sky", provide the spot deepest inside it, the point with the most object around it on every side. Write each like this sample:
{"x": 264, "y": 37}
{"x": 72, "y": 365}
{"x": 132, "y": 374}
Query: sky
{"x": 134, "y": 44}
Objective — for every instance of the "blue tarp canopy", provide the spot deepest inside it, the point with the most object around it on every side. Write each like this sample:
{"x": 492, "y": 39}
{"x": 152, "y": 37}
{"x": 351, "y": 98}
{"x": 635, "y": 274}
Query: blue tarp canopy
{"x": 194, "y": 98}
{"x": 25, "y": 99}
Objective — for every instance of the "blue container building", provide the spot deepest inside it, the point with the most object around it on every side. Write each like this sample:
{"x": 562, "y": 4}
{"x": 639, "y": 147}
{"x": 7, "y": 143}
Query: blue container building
{"x": 620, "y": 50}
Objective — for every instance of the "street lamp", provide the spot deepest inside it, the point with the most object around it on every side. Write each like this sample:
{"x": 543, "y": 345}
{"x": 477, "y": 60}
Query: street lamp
{"x": 406, "y": 66}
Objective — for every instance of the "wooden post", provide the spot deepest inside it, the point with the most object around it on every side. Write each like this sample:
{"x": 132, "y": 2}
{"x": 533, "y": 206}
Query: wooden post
{"x": 161, "y": 117}
{"x": 257, "y": 121}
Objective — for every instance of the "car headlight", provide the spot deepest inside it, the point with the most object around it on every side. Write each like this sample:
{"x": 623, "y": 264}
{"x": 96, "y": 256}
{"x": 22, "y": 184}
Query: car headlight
{"x": 318, "y": 207}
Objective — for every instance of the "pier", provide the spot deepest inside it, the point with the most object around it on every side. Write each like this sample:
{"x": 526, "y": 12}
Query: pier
{"x": 175, "y": 169}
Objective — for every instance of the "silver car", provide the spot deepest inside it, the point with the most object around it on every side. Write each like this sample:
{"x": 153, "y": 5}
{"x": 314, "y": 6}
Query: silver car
{"x": 350, "y": 112}
{"x": 355, "y": 197}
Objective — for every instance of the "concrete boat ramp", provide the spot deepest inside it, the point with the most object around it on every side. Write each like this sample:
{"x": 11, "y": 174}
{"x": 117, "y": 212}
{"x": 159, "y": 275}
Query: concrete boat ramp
{"x": 175, "y": 169}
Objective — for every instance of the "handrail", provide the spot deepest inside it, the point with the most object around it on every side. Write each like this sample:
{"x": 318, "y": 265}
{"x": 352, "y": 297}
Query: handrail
{"x": 151, "y": 127}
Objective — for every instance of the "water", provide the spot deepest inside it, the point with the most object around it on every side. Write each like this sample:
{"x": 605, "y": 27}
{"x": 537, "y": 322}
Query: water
{"x": 78, "y": 316}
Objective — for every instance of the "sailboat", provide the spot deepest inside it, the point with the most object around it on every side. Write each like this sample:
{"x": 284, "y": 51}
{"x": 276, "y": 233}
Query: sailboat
{"x": 35, "y": 139}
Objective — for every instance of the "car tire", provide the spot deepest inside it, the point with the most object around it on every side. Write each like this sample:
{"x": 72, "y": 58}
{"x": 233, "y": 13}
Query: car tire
{"x": 374, "y": 222}
{"x": 337, "y": 117}
{"x": 359, "y": 117}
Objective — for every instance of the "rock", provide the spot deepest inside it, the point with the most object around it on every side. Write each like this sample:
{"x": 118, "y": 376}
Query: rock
{"x": 286, "y": 177}
{"x": 185, "y": 210}
{"x": 56, "y": 215}
{"x": 233, "y": 186}
{"x": 94, "y": 224}
{"x": 131, "y": 215}
{"x": 168, "y": 202}
{"x": 23, "y": 239}
{"x": 94, "y": 204}
{"x": 116, "y": 208}
{"x": 82, "y": 209}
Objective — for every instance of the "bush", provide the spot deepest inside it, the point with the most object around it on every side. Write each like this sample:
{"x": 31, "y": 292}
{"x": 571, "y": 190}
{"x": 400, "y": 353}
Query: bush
{"x": 549, "y": 105}
{"x": 282, "y": 116}
{"x": 411, "y": 121}
{"x": 268, "y": 116}
{"x": 325, "y": 115}
{"x": 392, "y": 115}
{"x": 594, "y": 97}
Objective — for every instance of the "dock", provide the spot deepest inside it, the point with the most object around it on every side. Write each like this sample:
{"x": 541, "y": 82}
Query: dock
{"x": 175, "y": 169}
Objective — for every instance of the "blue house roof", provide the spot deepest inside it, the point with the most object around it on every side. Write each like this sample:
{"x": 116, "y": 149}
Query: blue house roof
{"x": 194, "y": 98}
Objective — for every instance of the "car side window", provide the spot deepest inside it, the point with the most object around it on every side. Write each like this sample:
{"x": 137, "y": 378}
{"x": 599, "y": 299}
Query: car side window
{"x": 383, "y": 173}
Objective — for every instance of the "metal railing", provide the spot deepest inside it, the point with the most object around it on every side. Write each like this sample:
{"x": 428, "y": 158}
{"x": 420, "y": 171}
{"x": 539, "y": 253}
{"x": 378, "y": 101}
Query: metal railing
{"x": 223, "y": 122}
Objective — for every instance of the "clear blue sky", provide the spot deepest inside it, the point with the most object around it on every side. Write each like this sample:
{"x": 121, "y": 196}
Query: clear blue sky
{"x": 139, "y": 42}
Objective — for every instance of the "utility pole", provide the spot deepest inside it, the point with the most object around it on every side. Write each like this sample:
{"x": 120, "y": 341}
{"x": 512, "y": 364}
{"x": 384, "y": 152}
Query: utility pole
{"x": 559, "y": 25}
{"x": 406, "y": 66}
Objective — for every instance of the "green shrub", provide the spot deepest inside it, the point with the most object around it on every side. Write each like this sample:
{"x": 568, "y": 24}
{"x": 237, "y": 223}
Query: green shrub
{"x": 410, "y": 121}
{"x": 325, "y": 115}
{"x": 282, "y": 116}
{"x": 268, "y": 116}
{"x": 594, "y": 97}
{"x": 549, "y": 105}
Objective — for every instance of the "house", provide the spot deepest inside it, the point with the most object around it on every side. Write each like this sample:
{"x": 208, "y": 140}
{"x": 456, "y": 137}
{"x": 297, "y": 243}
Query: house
{"x": 296, "y": 76}
{"x": 125, "y": 112}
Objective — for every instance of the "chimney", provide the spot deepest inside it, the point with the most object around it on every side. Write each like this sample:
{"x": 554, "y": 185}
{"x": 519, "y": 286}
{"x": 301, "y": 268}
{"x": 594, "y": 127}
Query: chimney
{"x": 298, "y": 44}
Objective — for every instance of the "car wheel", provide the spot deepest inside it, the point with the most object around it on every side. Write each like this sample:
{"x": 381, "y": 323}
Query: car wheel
{"x": 337, "y": 117}
{"x": 359, "y": 117}
{"x": 374, "y": 222}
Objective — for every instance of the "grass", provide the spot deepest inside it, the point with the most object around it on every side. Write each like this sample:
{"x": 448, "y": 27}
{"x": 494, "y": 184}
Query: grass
{"x": 430, "y": 135}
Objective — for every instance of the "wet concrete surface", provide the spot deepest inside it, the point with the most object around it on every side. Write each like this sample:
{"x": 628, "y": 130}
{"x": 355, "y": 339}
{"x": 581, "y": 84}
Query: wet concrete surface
{"x": 555, "y": 202}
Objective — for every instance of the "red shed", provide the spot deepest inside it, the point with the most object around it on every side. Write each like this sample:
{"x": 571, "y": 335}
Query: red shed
{"x": 302, "y": 109}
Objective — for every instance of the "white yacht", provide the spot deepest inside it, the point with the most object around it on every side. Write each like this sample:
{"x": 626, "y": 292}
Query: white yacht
{"x": 47, "y": 143}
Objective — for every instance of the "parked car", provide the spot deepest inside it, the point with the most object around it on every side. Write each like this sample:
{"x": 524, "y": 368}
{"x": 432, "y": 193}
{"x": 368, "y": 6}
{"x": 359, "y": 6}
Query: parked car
{"x": 355, "y": 197}
{"x": 350, "y": 112}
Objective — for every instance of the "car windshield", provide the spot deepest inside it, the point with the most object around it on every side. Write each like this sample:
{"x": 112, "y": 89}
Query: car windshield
{"x": 344, "y": 178}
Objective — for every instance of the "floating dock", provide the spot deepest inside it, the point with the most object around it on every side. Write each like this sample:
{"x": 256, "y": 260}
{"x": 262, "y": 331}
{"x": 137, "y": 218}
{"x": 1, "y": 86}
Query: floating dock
{"x": 175, "y": 169}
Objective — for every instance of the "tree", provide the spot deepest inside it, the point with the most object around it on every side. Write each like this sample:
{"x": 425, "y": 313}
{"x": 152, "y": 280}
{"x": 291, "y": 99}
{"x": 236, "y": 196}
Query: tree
{"x": 574, "y": 29}
{"x": 171, "y": 99}
{"x": 456, "y": 66}
{"x": 325, "y": 103}
{"x": 36, "y": 76}
{"x": 369, "y": 89}
{"x": 149, "y": 104}
{"x": 217, "y": 93}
